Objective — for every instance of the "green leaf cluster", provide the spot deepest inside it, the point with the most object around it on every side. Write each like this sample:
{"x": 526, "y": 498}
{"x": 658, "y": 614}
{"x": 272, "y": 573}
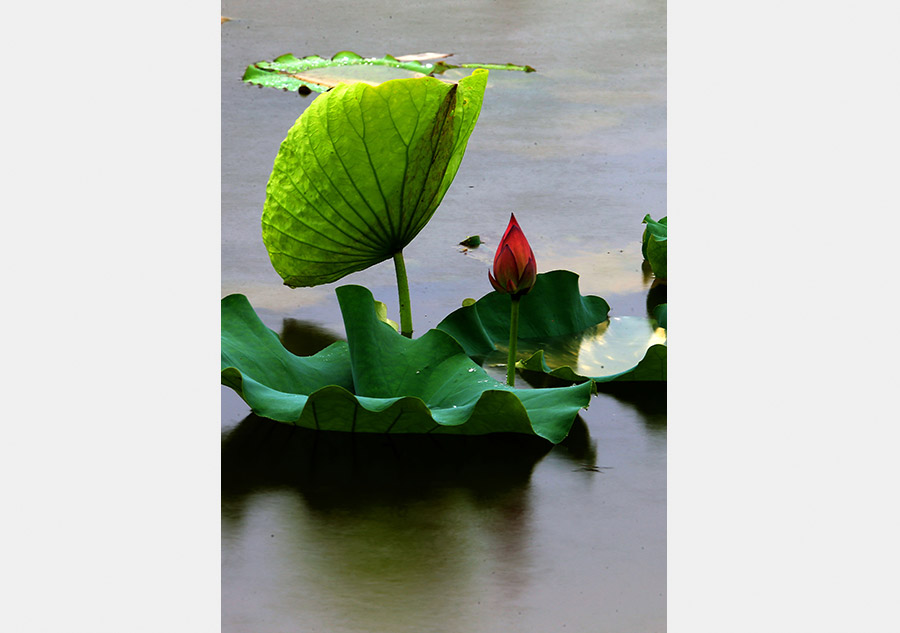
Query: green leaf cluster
{"x": 381, "y": 382}
{"x": 362, "y": 171}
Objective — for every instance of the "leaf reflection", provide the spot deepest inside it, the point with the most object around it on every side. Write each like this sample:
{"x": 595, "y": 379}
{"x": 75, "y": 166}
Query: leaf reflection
{"x": 389, "y": 520}
{"x": 353, "y": 469}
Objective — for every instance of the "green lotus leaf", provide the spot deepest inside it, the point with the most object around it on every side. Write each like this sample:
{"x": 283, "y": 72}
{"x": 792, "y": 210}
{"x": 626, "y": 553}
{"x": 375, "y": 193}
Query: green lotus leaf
{"x": 552, "y": 309}
{"x": 362, "y": 171}
{"x": 259, "y": 368}
{"x": 382, "y": 382}
{"x": 659, "y": 313}
{"x": 562, "y": 333}
{"x": 653, "y": 245}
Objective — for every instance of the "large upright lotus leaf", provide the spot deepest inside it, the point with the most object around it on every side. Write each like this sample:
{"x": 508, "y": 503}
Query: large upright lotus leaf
{"x": 383, "y": 382}
{"x": 362, "y": 171}
{"x": 562, "y": 333}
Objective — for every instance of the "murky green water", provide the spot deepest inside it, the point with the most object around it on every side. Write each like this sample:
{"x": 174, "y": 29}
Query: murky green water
{"x": 334, "y": 534}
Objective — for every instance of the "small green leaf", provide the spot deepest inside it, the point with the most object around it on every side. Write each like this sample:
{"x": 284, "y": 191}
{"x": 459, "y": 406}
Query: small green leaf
{"x": 659, "y": 313}
{"x": 362, "y": 171}
{"x": 653, "y": 245}
{"x": 473, "y": 241}
{"x": 396, "y": 385}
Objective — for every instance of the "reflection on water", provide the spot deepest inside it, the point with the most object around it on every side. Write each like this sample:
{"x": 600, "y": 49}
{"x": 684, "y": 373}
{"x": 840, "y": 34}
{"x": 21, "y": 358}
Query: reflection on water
{"x": 616, "y": 346}
{"x": 351, "y": 527}
{"x": 656, "y": 295}
{"x": 355, "y": 469}
{"x": 647, "y": 398}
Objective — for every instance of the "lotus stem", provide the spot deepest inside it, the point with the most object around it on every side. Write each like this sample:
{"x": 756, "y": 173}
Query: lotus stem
{"x": 513, "y": 338}
{"x": 406, "y": 327}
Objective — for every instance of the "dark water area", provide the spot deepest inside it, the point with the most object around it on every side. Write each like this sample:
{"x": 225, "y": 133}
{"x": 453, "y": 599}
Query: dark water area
{"x": 340, "y": 532}
{"x": 356, "y": 533}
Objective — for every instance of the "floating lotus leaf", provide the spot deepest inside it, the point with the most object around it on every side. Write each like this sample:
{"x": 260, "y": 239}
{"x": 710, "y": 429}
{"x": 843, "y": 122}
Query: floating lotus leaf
{"x": 562, "y": 333}
{"x": 382, "y": 382}
{"x": 362, "y": 171}
{"x": 259, "y": 368}
{"x": 298, "y": 74}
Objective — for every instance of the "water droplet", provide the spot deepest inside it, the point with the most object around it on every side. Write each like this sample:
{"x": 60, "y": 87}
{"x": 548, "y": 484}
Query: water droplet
{"x": 471, "y": 370}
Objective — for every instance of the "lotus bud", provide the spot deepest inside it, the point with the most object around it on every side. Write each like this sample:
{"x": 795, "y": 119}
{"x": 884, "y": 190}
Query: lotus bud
{"x": 515, "y": 270}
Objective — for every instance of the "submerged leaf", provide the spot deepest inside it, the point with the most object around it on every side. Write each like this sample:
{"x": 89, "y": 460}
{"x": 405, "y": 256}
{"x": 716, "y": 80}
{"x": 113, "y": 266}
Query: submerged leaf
{"x": 362, "y": 171}
{"x": 562, "y": 333}
{"x": 397, "y": 385}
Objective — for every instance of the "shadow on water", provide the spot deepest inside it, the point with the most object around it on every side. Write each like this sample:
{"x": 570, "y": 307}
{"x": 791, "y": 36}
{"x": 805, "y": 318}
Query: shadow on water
{"x": 332, "y": 469}
{"x": 656, "y": 295}
{"x": 305, "y": 338}
{"x": 578, "y": 447}
{"x": 647, "y": 398}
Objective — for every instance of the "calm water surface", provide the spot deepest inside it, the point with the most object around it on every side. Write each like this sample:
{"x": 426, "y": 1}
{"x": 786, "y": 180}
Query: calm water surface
{"x": 325, "y": 533}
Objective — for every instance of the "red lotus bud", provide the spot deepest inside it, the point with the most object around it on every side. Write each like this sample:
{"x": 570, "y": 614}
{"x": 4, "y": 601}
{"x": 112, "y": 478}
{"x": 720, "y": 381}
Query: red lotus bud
{"x": 514, "y": 268}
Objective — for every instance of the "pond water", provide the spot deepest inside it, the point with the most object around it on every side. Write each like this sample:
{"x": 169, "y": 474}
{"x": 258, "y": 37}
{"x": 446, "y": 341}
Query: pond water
{"x": 324, "y": 533}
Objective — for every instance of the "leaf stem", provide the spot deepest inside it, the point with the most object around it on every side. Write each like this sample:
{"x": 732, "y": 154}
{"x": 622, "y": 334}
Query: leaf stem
{"x": 406, "y": 327}
{"x": 513, "y": 339}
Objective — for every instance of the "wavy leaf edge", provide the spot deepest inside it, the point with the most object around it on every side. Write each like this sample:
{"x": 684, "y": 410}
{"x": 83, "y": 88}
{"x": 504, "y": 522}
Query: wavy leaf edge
{"x": 547, "y": 413}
